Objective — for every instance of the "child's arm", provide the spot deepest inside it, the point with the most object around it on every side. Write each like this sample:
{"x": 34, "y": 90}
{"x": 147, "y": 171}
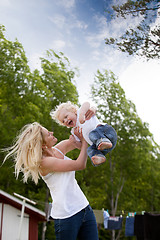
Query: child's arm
{"x": 90, "y": 113}
{"x": 83, "y": 109}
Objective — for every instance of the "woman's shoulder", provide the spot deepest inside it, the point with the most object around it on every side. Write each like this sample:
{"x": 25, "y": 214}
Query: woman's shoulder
{"x": 59, "y": 150}
{"x": 63, "y": 146}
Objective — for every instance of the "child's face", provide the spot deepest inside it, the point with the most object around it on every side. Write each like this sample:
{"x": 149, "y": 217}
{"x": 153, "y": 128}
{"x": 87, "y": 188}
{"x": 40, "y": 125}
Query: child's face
{"x": 67, "y": 118}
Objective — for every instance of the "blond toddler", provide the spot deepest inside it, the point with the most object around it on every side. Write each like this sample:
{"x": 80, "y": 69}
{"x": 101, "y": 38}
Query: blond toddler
{"x": 101, "y": 137}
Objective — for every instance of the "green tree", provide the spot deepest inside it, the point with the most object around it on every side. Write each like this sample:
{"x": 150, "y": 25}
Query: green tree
{"x": 144, "y": 38}
{"x": 27, "y": 96}
{"x": 58, "y": 77}
{"x": 124, "y": 181}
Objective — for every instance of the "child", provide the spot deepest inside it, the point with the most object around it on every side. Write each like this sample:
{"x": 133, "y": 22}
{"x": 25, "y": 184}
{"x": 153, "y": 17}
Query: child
{"x": 102, "y": 137}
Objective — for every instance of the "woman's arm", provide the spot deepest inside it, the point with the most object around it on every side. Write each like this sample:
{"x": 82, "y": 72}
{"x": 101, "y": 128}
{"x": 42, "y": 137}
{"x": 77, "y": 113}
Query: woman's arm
{"x": 53, "y": 164}
{"x": 70, "y": 144}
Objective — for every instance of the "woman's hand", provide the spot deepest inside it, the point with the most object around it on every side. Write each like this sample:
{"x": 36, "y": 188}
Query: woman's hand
{"x": 72, "y": 139}
{"x": 74, "y": 142}
{"x": 78, "y": 133}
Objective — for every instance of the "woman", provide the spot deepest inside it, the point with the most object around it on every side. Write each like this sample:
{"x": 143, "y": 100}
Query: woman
{"x": 35, "y": 156}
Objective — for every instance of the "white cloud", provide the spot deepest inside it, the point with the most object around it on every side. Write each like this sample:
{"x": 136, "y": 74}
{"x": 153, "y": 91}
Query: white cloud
{"x": 58, "y": 20}
{"x": 96, "y": 55}
{"x": 105, "y": 29}
{"x": 119, "y": 2}
{"x": 80, "y": 25}
{"x": 58, "y": 45}
{"x": 66, "y": 4}
{"x": 74, "y": 23}
{"x": 67, "y": 24}
{"x": 93, "y": 40}
{"x": 5, "y": 3}
{"x": 141, "y": 84}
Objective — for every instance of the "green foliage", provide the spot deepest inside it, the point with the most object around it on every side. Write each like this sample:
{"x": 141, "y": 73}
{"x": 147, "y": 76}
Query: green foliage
{"x": 58, "y": 78}
{"x": 129, "y": 178}
{"x": 144, "y": 38}
{"x": 26, "y": 97}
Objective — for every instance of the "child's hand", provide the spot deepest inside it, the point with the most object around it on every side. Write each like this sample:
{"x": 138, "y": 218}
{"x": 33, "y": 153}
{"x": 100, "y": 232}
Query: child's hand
{"x": 91, "y": 112}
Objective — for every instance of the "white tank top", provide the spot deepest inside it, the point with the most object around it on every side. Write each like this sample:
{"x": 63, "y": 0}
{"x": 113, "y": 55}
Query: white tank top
{"x": 68, "y": 198}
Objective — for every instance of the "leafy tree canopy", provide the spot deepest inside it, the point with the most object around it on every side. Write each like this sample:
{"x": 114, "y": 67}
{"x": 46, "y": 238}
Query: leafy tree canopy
{"x": 27, "y": 96}
{"x": 142, "y": 39}
{"x": 135, "y": 153}
{"x": 130, "y": 177}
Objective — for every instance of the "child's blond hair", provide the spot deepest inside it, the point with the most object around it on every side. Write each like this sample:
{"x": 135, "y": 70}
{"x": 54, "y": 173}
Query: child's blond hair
{"x": 27, "y": 151}
{"x": 68, "y": 106}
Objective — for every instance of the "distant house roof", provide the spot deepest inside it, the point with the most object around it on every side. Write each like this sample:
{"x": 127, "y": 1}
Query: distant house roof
{"x": 15, "y": 202}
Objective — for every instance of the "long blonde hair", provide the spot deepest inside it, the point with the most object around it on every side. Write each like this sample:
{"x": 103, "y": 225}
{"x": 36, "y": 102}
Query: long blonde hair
{"x": 27, "y": 152}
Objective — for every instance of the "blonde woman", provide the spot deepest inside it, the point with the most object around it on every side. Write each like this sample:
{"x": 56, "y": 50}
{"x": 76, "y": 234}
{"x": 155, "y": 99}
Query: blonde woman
{"x": 35, "y": 157}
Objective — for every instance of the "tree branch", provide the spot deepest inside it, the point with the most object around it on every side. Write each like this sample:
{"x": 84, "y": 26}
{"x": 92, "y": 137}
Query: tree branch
{"x": 118, "y": 193}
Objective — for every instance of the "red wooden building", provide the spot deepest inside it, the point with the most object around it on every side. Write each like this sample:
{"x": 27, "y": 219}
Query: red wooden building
{"x": 10, "y": 216}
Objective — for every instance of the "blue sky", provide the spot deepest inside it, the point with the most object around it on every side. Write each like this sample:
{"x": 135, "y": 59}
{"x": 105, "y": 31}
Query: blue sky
{"x": 78, "y": 29}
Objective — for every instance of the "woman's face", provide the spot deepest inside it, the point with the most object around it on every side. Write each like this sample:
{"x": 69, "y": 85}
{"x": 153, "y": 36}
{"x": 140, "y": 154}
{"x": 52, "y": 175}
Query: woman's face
{"x": 48, "y": 138}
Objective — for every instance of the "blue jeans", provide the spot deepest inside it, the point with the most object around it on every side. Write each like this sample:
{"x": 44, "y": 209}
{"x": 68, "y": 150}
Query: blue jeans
{"x": 102, "y": 133}
{"x": 81, "y": 226}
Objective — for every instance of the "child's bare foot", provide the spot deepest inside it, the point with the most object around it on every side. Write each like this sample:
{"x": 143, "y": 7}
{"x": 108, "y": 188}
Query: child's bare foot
{"x": 98, "y": 159}
{"x": 104, "y": 145}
